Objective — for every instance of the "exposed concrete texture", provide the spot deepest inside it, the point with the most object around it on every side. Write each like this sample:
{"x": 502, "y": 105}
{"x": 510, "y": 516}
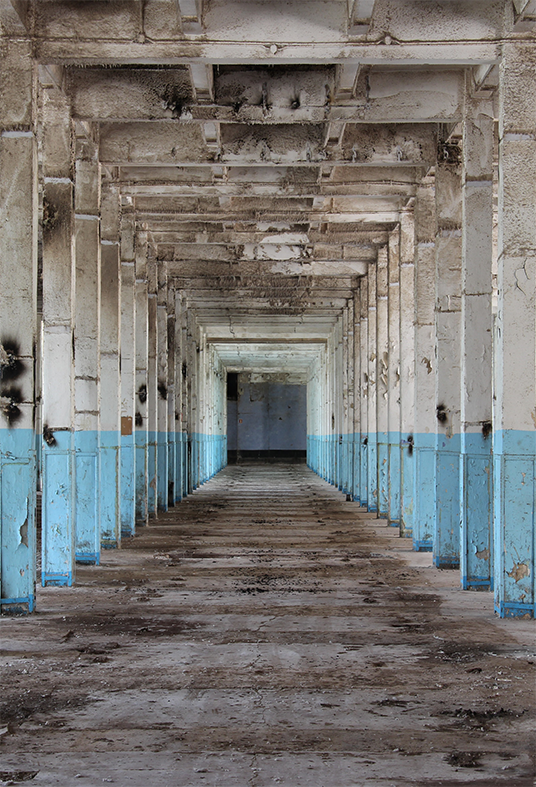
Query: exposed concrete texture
{"x": 265, "y": 632}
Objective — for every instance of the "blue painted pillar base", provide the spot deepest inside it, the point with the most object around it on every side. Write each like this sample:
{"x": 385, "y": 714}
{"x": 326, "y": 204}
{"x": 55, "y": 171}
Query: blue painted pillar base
{"x": 17, "y": 606}
{"x": 56, "y": 580}
{"x": 447, "y": 520}
{"x": 87, "y": 497}
{"x": 17, "y": 520}
{"x": 383, "y": 474}
{"x": 58, "y": 531}
{"x": 128, "y": 486}
{"x": 372, "y": 468}
{"x": 162, "y": 471}
{"x": 507, "y": 609}
{"x": 477, "y": 584}
{"x": 151, "y": 474}
{"x": 425, "y": 545}
{"x": 110, "y": 489}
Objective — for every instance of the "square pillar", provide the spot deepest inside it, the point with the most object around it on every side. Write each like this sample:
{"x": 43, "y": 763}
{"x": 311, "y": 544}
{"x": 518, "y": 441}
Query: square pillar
{"x": 393, "y": 379}
{"x": 448, "y": 357}
{"x": 382, "y": 385}
{"x": 476, "y": 548}
{"x": 514, "y": 435}
{"x": 356, "y": 385}
{"x": 152, "y": 381}
{"x": 162, "y": 389}
{"x": 87, "y": 352}
{"x": 372, "y": 433}
{"x": 128, "y": 375}
{"x": 425, "y": 368}
{"x": 142, "y": 357}
{"x": 18, "y": 296}
{"x": 364, "y": 392}
{"x": 58, "y": 390}
{"x": 110, "y": 372}
{"x": 407, "y": 372}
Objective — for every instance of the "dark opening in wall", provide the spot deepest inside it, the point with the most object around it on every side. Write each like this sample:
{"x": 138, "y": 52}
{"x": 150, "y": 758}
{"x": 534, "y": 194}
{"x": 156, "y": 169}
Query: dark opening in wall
{"x": 232, "y": 386}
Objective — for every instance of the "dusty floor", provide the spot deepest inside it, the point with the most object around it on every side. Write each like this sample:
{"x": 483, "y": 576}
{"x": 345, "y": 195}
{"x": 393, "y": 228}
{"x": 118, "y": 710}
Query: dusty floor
{"x": 266, "y": 632}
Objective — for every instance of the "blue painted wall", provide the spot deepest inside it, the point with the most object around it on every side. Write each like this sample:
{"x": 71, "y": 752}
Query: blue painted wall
{"x": 268, "y": 417}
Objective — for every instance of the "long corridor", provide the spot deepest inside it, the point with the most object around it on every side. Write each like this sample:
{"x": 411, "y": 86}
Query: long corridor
{"x": 266, "y": 631}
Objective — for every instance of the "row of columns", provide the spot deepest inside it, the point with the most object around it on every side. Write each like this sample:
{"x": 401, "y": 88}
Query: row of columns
{"x": 106, "y": 392}
{"x": 440, "y": 449}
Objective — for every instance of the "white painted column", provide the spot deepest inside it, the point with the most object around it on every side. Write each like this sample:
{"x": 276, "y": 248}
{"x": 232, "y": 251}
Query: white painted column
{"x": 356, "y": 384}
{"x": 372, "y": 415}
{"x": 407, "y": 371}
{"x": 171, "y": 395}
{"x": 142, "y": 355}
{"x": 514, "y": 436}
{"x": 363, "y": 392}
{"x": 128, "y": 375}
{"x": 393, "y": 376}
{"x": 18, "y": 337}
{"x": 162, "y": 406}
{"x": 382, "y": 379}
{"x": 58, "y": 531}
{"x": 152, "y": 382}
{"x": 110, "y": 375}
{"x": 87, "y": 350}
{"x": 446, "y": 546}
{"x": 476, "y": 551}
{"x": 425, "y": 368}
{"x": 179, "y": 450}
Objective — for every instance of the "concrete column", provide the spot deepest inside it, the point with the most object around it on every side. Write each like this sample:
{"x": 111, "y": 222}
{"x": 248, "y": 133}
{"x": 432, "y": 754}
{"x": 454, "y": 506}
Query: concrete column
{"x": 448, "y": 315}
{"x": 128, "y": 375}
{"x": 179, "y": 458}
{"x": 349, "y": 414}
{"x": 382, "y": 384}
{"x": 364, "y": 392}
{"x": 142, "y": 355}
{"x": 407, "y": 372}
{"x": 152, "y": 382}
{"x": 425, "y": 415}
{"x": 58, "y": 505}
{"x": 87, "y": 350}
{"x": 514, "y": 437}
{"x": 110, "y": 375}
{"x": 162, "y": 375}
{"x": 372, "y": 435}
{"x": 18, "y": 294}
{"x": 171, "y": 395}
{"x": 356, "y": 384}
{"x": 393, "y": 378}
{"x": 476, "y": 551}
{"x": 185, "y": 400}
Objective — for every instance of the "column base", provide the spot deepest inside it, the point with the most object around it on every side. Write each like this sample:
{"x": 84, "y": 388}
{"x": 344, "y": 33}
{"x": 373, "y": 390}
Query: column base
{"x": 506, "y": 609}
{"x": 422, "y": 546}
{"x": 110, "y": 544}
{"x": 92, "y": 558}
{"x": 57, "y": 580}
{"x": 17, "y": 606}
{"x": 469, "y": 583}
{"x": 446, "y": 562}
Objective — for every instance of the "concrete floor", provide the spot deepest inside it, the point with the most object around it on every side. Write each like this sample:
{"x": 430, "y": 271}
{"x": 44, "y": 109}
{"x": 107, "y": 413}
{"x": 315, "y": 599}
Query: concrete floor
{"x": 266, "y": 632}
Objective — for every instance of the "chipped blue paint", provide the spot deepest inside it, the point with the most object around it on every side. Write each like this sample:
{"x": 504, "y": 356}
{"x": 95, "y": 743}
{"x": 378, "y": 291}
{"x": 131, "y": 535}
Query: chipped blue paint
{"x": 395, "y": 481}
{"x": 128, "y": 486}
{"x": 58, "y": 511}
{"x": 476, "y": 494}
{"x": 424, "y": 491}
{"x": 141, "y": 491}
{"x": 162, "y": 471}
{"x": 110, "y": 489}
{"x": 514, "y": 522}
{"x": 151, "y": 473}
{"x": 383, "y": 473}
{"x": 87, "y": 497}
{"x": 446, "y": 543}
{"x": 18, "y": 474}
{"x": 407, "y": 486}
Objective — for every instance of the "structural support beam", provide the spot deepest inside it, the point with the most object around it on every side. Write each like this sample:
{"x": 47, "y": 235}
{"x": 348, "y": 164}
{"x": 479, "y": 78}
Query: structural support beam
{"x": 142, "y": 358}
{"x": 514, "y": 436}
{"x": 87, "y": 352}
{"x": 393, "y": 379}
{"x": 110, "y": 372}
{"x": 407, "y": 372}
{"x": 18, "y": 297}
{"x": 59, "y": 277}
{"x": 448, "y": 373}
{"x": 128, "y": 375}
{"x": 476, "y": 553}
{"x": 425, "y": 369}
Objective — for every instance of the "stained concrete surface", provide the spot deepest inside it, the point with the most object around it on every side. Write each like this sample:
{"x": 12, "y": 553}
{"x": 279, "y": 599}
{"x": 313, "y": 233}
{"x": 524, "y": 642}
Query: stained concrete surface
{"x": 265, "y": 632}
